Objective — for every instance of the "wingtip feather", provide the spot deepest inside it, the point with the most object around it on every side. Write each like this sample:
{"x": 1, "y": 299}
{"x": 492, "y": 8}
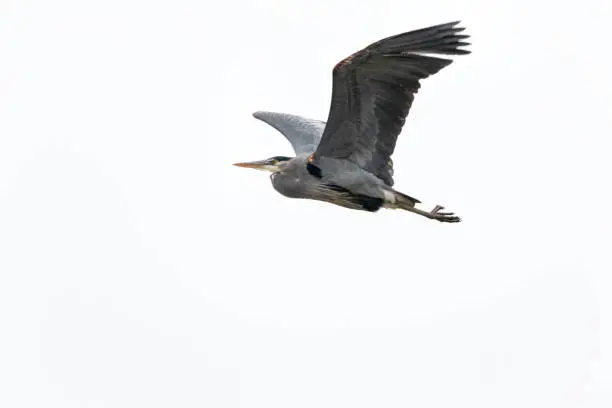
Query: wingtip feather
{"x": 259, "y": 114}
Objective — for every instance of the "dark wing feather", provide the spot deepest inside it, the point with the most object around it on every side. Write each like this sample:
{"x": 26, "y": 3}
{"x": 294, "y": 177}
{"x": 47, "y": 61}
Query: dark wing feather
{"x": 373, "y": 91}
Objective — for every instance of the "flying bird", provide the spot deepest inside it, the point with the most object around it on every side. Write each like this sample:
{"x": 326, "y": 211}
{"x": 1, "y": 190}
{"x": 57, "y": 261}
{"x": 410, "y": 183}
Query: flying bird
{"x": 346, "y": 161}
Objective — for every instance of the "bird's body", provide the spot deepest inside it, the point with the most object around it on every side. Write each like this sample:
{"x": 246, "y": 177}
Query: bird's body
{"x": 295, "y": 181}
{"x": 347, "y": 160}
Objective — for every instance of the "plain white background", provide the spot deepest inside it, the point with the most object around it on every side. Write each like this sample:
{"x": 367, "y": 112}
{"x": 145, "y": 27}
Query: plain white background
{"x": 138, "y": 268}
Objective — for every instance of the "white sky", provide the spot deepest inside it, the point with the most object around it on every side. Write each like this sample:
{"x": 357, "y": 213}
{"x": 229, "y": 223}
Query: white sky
{"x": 138, "y": 268}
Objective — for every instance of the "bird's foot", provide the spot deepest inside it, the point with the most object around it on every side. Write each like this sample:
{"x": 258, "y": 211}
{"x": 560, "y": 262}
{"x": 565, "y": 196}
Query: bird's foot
{"x": 436, "y": 214}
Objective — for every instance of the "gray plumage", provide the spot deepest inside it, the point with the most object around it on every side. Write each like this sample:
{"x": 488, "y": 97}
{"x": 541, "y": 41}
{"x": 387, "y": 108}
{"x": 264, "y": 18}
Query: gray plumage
{"x": 304, "y": 134}
{"x": 347, "y": 160}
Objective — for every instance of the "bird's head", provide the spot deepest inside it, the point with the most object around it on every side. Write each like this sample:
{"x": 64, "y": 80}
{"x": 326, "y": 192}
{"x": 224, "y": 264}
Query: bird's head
{"x": 273, "y": 164}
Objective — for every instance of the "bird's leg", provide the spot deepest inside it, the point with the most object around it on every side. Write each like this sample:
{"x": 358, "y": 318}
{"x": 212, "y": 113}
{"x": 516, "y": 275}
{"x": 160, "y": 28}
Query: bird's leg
{"x": 436, "y": 209}
{"x": 436, "y": 214}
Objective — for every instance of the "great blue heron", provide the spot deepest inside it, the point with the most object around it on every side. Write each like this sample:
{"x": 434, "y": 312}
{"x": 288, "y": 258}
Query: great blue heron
{"x": 347, "y": 161}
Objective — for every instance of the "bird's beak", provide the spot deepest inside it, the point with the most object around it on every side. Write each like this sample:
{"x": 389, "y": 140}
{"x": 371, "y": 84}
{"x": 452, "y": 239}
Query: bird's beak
{"x": 251, "y": 165}
{"x": 258, "y": 165}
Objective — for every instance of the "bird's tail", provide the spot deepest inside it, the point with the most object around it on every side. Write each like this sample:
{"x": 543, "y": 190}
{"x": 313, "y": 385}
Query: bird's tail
{"x": 438, "y": 39}
{"x": 401, "y": 201}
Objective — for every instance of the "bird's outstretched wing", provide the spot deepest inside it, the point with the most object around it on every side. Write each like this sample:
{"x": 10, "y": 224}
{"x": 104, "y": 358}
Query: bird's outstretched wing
{"x": 304, "y": 134}
{"x": 372, "y": 93}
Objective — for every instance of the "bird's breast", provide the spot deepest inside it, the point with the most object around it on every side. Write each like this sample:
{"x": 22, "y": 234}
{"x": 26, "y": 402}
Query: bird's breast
{"x": 289, "y": 185}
